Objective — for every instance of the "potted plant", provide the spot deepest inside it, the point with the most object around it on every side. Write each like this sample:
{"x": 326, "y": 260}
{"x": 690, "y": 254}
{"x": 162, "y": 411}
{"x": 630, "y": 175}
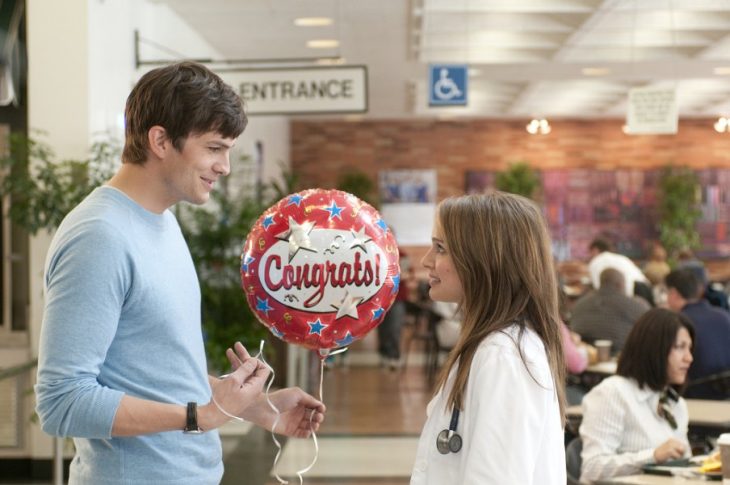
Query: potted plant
{"x": 519, "y": 178}
{"x": 678, "y": 207}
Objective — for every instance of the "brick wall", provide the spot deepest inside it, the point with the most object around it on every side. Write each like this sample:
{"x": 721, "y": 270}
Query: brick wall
{"x": 321, "y": 150}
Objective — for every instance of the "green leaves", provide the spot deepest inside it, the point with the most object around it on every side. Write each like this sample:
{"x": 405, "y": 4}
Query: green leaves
{"x": 679, "y": 196}
{"x": 519, "y": 178}
{"x": 43, "y": 190}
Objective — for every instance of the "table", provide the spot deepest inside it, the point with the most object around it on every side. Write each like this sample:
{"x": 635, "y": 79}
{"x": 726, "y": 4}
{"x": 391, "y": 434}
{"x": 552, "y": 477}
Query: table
{"x": 646, "y": 479}
{"x": 605, "y": 368}
{"x": 702, "y": 412}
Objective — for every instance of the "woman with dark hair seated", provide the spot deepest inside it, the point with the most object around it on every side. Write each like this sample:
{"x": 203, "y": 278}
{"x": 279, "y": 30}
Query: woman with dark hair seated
{"x": 637, "y": 417}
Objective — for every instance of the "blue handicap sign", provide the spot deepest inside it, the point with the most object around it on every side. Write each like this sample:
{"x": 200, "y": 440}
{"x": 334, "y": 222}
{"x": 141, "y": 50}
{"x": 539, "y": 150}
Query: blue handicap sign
{"x": 447, "y": 84}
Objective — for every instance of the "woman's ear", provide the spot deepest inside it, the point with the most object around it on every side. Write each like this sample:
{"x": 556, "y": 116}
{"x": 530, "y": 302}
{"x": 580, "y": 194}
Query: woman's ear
{"x": 158, "y": 141}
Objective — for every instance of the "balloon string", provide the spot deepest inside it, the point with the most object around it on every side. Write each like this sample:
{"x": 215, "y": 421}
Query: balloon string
{"x": 323, "y": 354}
{"x": 279, "y": 449}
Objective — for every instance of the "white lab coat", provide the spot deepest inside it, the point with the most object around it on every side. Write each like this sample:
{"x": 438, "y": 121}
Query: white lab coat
{"x": 510, "y": 424}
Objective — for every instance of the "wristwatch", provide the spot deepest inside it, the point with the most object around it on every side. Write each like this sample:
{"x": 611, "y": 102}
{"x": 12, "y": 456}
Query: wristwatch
{"x": 191, "y": 422}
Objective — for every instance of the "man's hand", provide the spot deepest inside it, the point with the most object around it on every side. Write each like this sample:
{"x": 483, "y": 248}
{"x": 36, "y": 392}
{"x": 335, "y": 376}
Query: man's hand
{"x": 236, "y": 392}
{"x": 301, "y": 414}
{"x": 672, "y": 449}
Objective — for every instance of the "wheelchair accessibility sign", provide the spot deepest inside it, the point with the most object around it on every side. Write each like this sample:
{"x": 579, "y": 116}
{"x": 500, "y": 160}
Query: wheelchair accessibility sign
{"x": 447, "y": 84}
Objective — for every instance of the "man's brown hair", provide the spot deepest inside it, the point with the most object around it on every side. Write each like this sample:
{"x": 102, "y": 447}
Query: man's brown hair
{"x": 184, "y": 98}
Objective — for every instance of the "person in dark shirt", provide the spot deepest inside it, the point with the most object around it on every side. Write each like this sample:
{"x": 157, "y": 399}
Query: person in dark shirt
{"x": 607, "y": 313}
{"x": 712, "y": 331}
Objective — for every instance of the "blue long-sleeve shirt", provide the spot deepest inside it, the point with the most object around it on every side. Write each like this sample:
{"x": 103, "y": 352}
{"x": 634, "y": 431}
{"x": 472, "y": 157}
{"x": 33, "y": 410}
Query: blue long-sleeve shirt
{"x": 122, "y": 317}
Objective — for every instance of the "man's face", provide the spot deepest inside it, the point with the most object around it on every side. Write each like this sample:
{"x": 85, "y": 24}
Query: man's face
{"x": 190, "y": 174}
{"x": 675, "y": 301}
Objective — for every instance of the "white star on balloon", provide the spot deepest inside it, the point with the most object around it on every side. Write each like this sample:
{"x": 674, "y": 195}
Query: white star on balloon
{"x": 298, "y": 237}
{"x": 348, "y": 306}
{"x": 360, "y": 239}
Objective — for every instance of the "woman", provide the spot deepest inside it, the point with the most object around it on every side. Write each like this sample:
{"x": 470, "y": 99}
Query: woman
{"x": 501, "y": 390}
{"x": 637, "y": 417}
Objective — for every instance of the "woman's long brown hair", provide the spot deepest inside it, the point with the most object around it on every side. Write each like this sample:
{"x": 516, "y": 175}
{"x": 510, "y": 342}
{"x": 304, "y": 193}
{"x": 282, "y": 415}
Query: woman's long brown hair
{"x": 501, "y": 251}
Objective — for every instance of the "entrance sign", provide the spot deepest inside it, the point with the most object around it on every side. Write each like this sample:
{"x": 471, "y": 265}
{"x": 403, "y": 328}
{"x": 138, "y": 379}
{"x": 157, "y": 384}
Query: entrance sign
{"x": 652, "y": 111}
{"x": 329, "y": 89}
{"x": 447, "y": 84}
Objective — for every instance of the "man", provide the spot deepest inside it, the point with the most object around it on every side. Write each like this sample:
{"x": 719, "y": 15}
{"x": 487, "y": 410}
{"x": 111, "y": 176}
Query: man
{"x": 602, "y": 257}
{"x": 607, "y": 313}
{"x": 122, "y": 367}
{"x": 712, "y": 330}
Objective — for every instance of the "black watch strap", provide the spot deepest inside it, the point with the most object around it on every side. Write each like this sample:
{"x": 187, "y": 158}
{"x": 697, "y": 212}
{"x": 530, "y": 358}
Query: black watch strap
{"x": 191, "y": 420}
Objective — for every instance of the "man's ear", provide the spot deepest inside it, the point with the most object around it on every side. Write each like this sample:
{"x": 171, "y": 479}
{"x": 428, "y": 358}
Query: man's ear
{"x": 158, "y": 141}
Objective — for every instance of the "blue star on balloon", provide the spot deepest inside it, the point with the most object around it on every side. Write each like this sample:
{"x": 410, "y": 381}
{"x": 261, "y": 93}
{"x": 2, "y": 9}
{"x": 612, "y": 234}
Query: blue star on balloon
{"x": 247, "y": 260}
{"x": 346, "y": 340}
{"x": 334, "y": 211}
{"x": 276, "y": 332}
{"x": 378, "y": 313}
{"x": 262, "y": 305}
{"x": 316, "y": 327}
{"x": 268, "y": 220}
{"x": 396, "y": 284}
{"x": 382, "y": 225}
{"x": 295, "y": 199}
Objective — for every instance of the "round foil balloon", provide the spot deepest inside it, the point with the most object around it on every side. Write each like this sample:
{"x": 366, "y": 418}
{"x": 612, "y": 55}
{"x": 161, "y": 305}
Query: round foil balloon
{"x": 320, "y": 268}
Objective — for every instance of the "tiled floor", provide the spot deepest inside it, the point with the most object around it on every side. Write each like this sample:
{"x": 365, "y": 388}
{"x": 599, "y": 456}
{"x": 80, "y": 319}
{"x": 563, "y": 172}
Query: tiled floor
{"x": 368, "y": 438}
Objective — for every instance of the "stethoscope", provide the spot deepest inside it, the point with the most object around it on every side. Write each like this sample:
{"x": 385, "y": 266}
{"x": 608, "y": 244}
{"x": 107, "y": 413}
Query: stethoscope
{"x": 449, "y": 441}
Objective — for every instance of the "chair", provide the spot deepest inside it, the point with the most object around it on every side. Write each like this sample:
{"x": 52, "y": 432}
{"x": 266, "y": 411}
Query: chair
{"x": 714, "y": 386}
{"x": 573, "y": 460}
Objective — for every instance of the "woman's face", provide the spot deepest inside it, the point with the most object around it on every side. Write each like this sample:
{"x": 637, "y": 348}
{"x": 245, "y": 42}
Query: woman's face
{"x": 445, "y": 283}
{"x": 680, "y": 357}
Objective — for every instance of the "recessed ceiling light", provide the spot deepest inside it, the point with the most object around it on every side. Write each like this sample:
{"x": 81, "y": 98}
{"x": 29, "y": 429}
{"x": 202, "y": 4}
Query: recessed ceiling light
{"x": 722, "y": 71}
{"x": 595, "y": 71}
{"x": 330, "y": 61}
{"x": 312, "y": 21}
{"x": 323, "y": 43}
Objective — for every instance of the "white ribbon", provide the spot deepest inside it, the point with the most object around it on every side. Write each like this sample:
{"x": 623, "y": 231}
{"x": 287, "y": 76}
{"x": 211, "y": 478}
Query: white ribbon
{"x": 323, "y": 354}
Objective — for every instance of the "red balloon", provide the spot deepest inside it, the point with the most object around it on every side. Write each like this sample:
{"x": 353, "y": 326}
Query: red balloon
{"x": 320, "y": 269}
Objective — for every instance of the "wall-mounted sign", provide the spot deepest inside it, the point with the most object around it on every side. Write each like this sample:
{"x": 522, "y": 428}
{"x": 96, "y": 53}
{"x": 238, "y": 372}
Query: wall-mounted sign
{"x": 330, "y": 89}
{"x": 652, "y": 111}
{"x": 447, "y": 84}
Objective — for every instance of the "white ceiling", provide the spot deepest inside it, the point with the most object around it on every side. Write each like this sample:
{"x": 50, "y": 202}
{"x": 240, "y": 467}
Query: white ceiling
{"x": 526, "y": 57}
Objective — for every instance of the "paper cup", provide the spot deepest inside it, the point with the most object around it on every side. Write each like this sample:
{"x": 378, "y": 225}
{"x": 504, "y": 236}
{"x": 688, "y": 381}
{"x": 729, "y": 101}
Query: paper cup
{"x": 604, "y": 349}
{"x": 723, "y": 442}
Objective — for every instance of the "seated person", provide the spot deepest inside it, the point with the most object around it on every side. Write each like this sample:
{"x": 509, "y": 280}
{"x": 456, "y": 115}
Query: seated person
{"x": 637, "y": 416}
{"x": 712, "y": 331}
{"x": 607, "y": 313}
{"x": 602, "y": 257}
{"x": 687, "y": 259}
{"x": 656, "y": 268}
{"x": 578, "y": 355}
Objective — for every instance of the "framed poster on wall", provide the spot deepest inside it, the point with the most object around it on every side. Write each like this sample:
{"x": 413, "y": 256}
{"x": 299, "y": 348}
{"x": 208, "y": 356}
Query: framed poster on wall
{"x": 408, "y": 203}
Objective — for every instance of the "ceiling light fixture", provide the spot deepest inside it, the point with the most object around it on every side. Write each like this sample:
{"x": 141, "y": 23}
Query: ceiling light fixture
{"x": 541, "y": 127}
{"x": 595, "y": 71}
{"x": 330, "y": 61}
{"x": 312, "y": 21}
{"x": 722, "y": 125}
{"x": 323, "y": 43}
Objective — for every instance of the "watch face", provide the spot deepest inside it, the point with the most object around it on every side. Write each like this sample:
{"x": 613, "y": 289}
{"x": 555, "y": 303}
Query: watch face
{"x": 193, "y": 431}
